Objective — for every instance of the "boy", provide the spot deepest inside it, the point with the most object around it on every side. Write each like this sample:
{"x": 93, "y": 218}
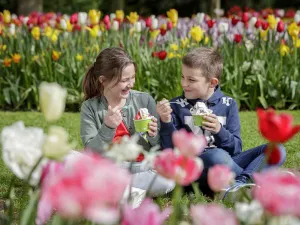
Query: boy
{"x": 201, "y": 73}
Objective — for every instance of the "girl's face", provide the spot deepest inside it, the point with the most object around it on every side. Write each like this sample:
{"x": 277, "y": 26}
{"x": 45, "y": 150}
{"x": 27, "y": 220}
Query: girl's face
{"x": 122, "y": 88}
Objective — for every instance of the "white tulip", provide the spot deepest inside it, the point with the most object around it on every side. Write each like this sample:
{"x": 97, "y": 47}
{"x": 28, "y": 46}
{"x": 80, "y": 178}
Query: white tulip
{"x": 280, "y": 12}
{"x": 56, "y": 144}
{"x": 82, "y": 18}
{"x": 297, "y": 17}
{"x": 249, "y": 213}
{"x": 25, "y": 20}
{"x": 223, "y": 27}
{"x": 21, "y": 150}
{"x": 200, "y": 17}
{"x": 63, "y": 24}
{"x": 138, "y": 26}
{"x": 154, "y": 24}
{"x": 249, "y": 45}
{"x": 252, "y": 21}
{"x": 52, "y": 100}
{"x": 115, "y": 25}
{"x": 112, "y": 16}
{"x": 12, "y": 29}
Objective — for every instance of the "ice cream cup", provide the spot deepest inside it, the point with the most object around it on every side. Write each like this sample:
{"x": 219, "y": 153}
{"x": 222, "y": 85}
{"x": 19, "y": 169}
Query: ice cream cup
{"x": 198, "y": 119}
{"x": 142, "y": 125}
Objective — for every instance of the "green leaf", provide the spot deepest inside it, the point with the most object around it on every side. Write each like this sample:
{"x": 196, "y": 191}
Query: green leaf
{"x": 29, "y": 214}
{"x": 263, "y": 101}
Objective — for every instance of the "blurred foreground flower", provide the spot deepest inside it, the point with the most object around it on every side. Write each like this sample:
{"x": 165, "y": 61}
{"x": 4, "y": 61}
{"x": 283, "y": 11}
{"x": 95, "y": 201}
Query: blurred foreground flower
{"x": 52, "y": 100}
{"x": 21, "y": 150}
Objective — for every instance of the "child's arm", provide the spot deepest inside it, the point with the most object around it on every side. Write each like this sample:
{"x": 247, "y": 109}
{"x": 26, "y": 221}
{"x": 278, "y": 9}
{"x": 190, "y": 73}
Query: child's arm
{"x": 166, "y": 132}
{"x": 92, "y": 137}
{"x": 229, "y": 138}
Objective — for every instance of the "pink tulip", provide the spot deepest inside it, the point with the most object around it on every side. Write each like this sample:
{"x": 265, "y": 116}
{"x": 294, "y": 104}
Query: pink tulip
{"x": 178, "y": 167}
{"x": 84, "y": 189}
{"x": 188, "y": 144}
{"x": 147, "y": 213}
{"x": 219, "y": 177}
{"x": 212, "y": 214}
{"x": 278, "y": 192}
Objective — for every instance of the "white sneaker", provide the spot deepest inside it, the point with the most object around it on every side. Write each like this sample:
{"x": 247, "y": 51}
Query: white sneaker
{"x": 137, "y": 196}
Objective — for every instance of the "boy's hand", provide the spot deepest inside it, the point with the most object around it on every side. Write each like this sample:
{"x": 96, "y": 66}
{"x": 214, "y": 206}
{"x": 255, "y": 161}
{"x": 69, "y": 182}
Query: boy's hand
{"x": 113, "y": 118}
{"x": 211, "y": 123}
{"x": 153, "y": 127}
{"x": 164, "y": 110}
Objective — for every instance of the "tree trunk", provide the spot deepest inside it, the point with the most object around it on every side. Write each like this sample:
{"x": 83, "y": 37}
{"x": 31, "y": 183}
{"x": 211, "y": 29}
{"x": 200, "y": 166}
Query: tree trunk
{"x": 215, "y": 4}
{"x": 25, "y": 7}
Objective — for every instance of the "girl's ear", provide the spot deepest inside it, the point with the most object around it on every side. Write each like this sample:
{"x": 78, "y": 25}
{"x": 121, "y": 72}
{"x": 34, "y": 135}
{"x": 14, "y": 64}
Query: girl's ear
{"x": 214, "y": 82}
{"x": 101, "y": 79}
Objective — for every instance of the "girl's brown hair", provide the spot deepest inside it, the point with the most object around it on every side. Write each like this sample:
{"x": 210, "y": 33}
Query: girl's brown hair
{"x": 110, "y": 64}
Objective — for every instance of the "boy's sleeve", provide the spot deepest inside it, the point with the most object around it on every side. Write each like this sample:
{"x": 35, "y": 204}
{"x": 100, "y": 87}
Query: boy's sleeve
{"x": 152, "y": 110}
{"x": 167, "y": 130}
{"x": 94, "y": 138}
{"x": 229, "y": 138}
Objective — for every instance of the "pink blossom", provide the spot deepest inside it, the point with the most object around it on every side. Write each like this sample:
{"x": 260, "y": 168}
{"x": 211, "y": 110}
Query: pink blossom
{"x": 278, "y": 192}
{"x": 178, "y": 167}
{"x": 147, "y": 213}
{"x": 89, "y": 186}
{"x": 188, "y": 144}
{"x": 219, "y": 177}
{"x": 212, "y": 214}
{"x": 45, "y": 209}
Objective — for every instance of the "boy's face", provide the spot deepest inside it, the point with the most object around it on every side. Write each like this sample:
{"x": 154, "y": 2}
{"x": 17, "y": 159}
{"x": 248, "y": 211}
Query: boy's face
{"x": 195, "y": 85}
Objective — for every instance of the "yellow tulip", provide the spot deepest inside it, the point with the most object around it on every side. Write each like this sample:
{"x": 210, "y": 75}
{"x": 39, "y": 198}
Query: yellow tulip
{"x": 54, "y": 38}
{"x": 171, "y": 55}
{"x": 185, "y": 42}
{"x": 264, "y": 34}
{"x": 69, "y": 26}
{"x": 293, "y": 30}
{"x": 94, "y": 16}
{"x": 206, "y": 40}
{"x": 6, "y": 16}
{"x": 173, "y": 16}
{"x": 7, "y": 62}
{"x": 154, "y": 34}
{"x": 93, "y": 31}
{"x": 174, "y": 47}
{"x": 48, "y": 31}
{"x": 55, "y": 55}
{"x": 79, "y": 57}
{"x": 297, "y": 43}
{"x": 272, "y": 21}
{"x": 36, "y": 33}
{"x": 284, "y": 50}
{"x": 16, "y": 58}
{"x": 120, "y": 15}
{"x": 133, "y": 17}
{"x": 35, "y": 58}
{"x": 197, "y": 33}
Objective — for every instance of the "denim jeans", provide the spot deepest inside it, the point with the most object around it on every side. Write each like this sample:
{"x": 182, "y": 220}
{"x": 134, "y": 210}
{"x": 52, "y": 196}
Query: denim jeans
{"x": 244, "y": 163}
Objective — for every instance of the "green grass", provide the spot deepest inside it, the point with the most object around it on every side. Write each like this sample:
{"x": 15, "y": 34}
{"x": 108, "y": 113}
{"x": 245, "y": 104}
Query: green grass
{"x": 71, "y": 121}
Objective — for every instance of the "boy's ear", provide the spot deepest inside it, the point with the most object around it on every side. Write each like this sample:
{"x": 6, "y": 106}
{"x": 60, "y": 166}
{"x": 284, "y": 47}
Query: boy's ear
{"x": 214, "y": 82}
{"x": 101, "y": 79}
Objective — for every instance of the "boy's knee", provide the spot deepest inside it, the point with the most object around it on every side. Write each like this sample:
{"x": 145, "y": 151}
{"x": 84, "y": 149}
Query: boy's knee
{"x": 216, "y": 156}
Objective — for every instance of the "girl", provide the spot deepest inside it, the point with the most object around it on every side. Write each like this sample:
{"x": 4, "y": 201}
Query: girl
{"x": 109, "y": 109}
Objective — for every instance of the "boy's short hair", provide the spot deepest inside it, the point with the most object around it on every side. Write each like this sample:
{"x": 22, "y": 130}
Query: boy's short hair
{"x": 208, "y": 60}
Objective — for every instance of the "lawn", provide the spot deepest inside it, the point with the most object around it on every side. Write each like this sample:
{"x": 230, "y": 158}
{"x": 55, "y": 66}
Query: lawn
{"x": 71, "y": 121}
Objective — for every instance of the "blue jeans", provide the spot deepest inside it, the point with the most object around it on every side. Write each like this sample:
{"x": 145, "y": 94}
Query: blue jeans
{"x": 244, "y": 163}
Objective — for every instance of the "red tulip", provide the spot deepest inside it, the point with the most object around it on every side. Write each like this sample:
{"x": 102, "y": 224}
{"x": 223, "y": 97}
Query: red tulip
{"x": 234, "y": 21}
{"x": 276, "y": 128}
{"x": 76, "y": 27}
{"x": 265, "y": 25}
{"x": 162, "y": 55}
{"x": 74, "y": 18}
{"x": 238, "y": 38}
{"x": 169, "y": 25}
{"x": 245, "y": 17}
{"x": 258, "y": 23}
{"x": 148, "y": 22}
{"x": 210, "y": 23}
{"x": 280, "y": 26}
{"x": 273, "y": 154}
{"x": 163, "y": 31}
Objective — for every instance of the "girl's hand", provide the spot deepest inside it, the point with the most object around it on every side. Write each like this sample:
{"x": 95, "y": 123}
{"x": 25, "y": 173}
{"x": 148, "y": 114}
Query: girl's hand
{"x": 113, "y": 118}
{"x": 153, "y": 127}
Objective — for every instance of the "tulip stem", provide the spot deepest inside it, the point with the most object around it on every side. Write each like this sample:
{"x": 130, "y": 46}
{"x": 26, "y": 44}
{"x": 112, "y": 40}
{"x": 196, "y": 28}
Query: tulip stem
{"x": 176, "y": 197}
{"x": 33, "y": 169}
